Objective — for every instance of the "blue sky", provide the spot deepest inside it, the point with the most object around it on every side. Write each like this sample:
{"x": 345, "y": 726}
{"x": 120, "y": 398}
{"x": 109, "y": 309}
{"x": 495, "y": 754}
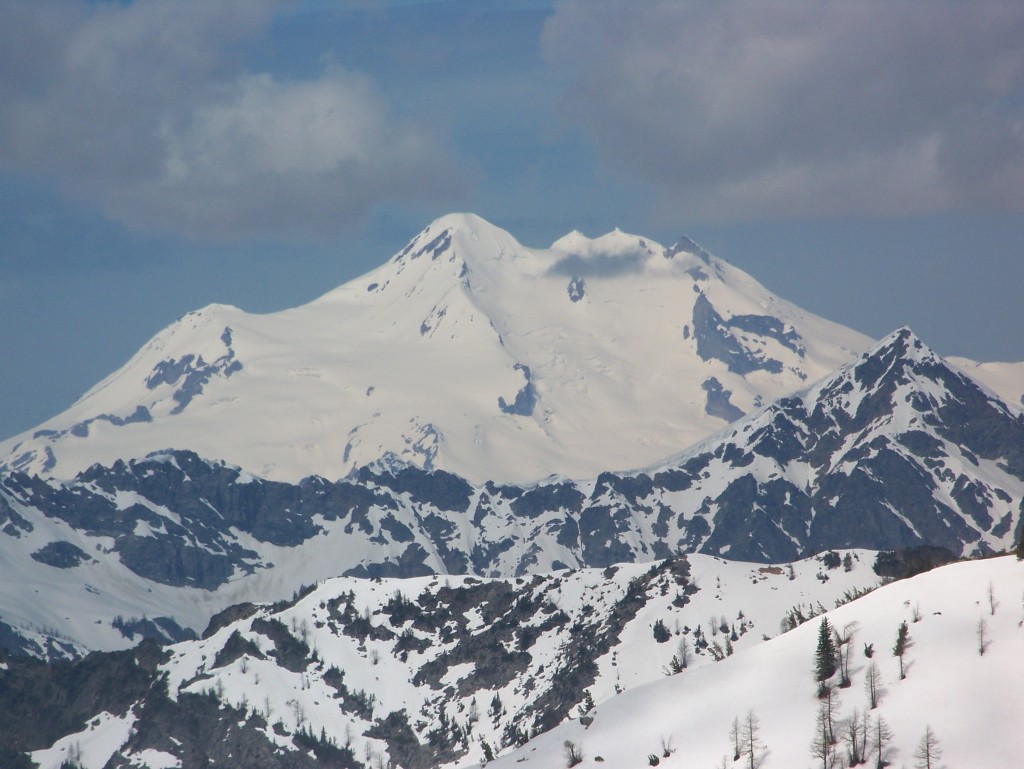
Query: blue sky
{"x": 864, "y": 160}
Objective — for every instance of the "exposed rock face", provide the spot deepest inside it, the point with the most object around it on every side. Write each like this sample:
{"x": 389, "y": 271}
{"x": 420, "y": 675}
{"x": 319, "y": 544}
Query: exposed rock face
{"x": 897, "y": 450}
{"x": 426, "y": 673}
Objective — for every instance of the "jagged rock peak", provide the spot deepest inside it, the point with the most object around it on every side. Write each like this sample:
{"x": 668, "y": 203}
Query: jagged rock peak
{"x": 687, "y": 246}
{"x": 903, "y": 341}
{"x": 895, "y": 353}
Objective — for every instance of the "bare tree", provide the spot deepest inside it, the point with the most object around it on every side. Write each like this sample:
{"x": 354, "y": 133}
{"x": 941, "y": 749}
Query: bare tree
{"x": 734, "y": 737}
{"x": 666, "y": 746}
{"x": 853, "y": 737}
{"x": 750, "y": 739}
{"x": 982, "y": 643}
{"x": 928, "y": 751}
{"x": 992, "y": 602}
{"x": 844, "y": 644}
{"x": 830, "y": 705}
{"x": 573, "y": 753}
{"x": 823, "y": 745}
{"x": 872, "y": 684}
{"x": 881, "y": 736}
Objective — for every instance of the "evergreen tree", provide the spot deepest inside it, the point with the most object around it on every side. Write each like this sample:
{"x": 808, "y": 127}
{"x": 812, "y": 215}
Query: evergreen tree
{"x": 901, "y": 646}
{"x": 825, "y": 662}
{"x": 587, "y": 705}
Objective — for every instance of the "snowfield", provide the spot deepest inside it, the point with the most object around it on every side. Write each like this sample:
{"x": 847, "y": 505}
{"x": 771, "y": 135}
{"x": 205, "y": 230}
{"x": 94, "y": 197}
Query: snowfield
{"x": 972, "y": 702}
{"x": 466, "y": 352}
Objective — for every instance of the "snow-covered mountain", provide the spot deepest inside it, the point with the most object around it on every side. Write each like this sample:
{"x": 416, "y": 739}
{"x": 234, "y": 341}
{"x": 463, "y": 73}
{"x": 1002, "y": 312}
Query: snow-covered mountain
{"x": 432, "y": 671}
{"x": 443, "y": 672}
{"x": 894, "y": 450}
{"x": 457, "y": 435}
{"x": 466, "y": 352}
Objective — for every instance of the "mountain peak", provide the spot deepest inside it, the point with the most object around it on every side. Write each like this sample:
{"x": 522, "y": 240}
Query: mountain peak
{"x": 464, "y": 234}
{"x": 466, "y": 352}
{"x": 902, "y": 343}
{"x": 686, "y": 246}
{"x": 894, "y": 361}
{"x": 614, "y": 242}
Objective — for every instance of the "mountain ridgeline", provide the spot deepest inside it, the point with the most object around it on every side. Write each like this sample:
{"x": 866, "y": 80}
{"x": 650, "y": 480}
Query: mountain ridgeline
{"x": 466, "y": 352}
{"x": 896, "y": 450}
{"x": 424, "y": 673}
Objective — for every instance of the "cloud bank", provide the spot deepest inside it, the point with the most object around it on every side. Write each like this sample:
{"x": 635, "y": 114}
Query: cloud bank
{"x": 801, "y": 107}
{"x": 147, "y": 111}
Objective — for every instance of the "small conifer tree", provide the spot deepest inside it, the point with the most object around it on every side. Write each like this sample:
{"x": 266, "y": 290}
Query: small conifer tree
{"x": 901, "y": 645}
{"x": 587, "y": 705}
{"x": 825, "y": 662}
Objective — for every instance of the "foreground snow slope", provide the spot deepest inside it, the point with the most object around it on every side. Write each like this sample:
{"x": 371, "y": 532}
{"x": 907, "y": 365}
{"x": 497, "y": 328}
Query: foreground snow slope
{"x": 972, "y": 702}
{"x": 467, "y": 352}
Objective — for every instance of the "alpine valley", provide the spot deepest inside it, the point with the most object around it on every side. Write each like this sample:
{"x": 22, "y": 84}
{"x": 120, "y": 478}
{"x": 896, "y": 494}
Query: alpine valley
{"x": 572, "y": 505}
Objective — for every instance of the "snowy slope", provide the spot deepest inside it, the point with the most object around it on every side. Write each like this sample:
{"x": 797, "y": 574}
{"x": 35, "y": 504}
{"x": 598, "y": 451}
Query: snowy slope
{"x": 971, "y": 702}
{"x": 469, "y": 662}
{"x": 440, "y": 673}
{"x": 467, "y": 352}
{"x": 1004, "y": 379}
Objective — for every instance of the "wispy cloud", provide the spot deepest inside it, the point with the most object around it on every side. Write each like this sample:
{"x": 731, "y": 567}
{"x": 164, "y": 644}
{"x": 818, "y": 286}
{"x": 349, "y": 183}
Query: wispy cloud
{"x": 148, "y": 112}
{"x": 821, "y": 107}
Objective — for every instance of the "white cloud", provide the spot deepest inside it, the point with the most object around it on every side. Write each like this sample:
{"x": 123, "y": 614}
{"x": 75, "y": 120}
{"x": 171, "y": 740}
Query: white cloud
{"x": 147, "y": 112}
{"x": 747, "y": 108}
